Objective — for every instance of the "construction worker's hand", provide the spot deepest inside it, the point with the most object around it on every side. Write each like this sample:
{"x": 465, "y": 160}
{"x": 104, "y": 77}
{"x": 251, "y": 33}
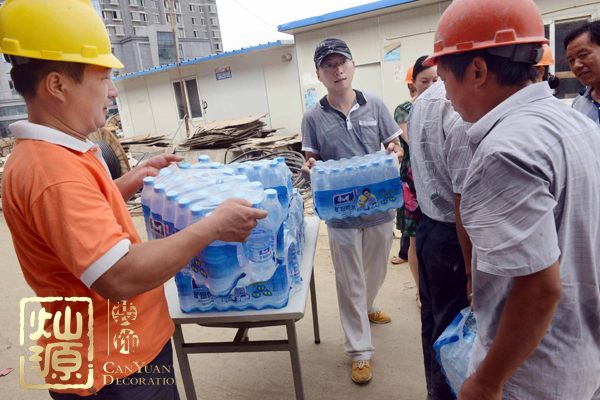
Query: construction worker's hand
{"x": 308, "y": 165}
{"x": 153, "y": 166}
{"x": 394, "y": 147}
{"x": 477, "y": 388}
{"x": 234, "y": 220}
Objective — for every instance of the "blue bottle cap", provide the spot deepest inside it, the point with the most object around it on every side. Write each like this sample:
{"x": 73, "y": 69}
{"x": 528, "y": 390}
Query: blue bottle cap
{"x": 165, "y": 172}
{"x": 177, "y": 179}
{"x": 242, "y": 178}
{"x": 256, "y": 185}
{"x": 216, "y": 200}
{"x": 348, "y": 168}
{"x": 215, "y": 165}
{"x": 197, "y": 210}
{"x": 184, "y": 202}
{"x": 228, "y": 171}
{"x": 256, "y": 203}
{"x": 335, "y": 170}
{"x": 203, "y": 159}
{"x": 149, "y": 181}
{"x": 271, "y": 193}
{"x": 172, "y": 195}
{"x": 281, "y": 159}
{"x": 241, "y": 168}
{"x": 160, "y": 188}
{"x": 362, "y": 166}
{"x": 389, "y": 160}
{"x": 185, "y": 166}
{"x": 376, "y": 163}
{"x": 273, "y": 164}
{"x": 257, "y": 167}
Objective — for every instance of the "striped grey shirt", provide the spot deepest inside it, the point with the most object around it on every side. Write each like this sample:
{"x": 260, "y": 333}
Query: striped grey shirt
{"x": 586, "y": 105}
{"x": 532, "y": 197}
{"x": 439, "y": 152}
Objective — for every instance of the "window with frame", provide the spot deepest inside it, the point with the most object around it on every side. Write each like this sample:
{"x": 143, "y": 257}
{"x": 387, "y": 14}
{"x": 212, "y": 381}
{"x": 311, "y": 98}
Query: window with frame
{"x": 144, "y": 17}
{"x": 216, "y": 34}
{"x": 176, "y": 4}
{"x": 142, "y": 3}
{"x": 166, "y": 4}
{"x": 192, "y": 98}
{"x": 181, "y": 32}
{"x": 194, "y": 21}
{"x": 117, "y": 15}
{"x": 212, "y": 8}
{"x": 119, "y": 31}
{"x": 168, "y": 17}
{"x": 192, "y": 8}
{"x": 134, "y": 3}
{"x": 214, "y": 22}
{"x": 202, "y": 22}
{"x": 181, "y": 55}
{"x": 155, "y": 4}
{"x": 166, "y": 48}
{"x": 137, "y": 30}
{"x": 157, "y": 18}
{"x": 570, "y": 87}
{"x": 218, "y": 46}
{"x": 178, "y": 19}
{"x": 197, "y": 34}
{"x": 135, "y": 17}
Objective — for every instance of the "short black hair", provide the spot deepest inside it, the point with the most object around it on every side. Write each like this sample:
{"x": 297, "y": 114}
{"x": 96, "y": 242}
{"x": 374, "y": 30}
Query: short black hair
{"x": 508, "y": 72}
{"x": 419, "y": 67}
{"x": 592, "y": 27}
{"x": 366, "y": 190}
{"x": 26, "y": 77}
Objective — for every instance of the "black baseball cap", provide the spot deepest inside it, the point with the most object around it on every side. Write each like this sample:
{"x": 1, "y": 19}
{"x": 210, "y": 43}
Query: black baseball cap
{"x": 331, "y": 46}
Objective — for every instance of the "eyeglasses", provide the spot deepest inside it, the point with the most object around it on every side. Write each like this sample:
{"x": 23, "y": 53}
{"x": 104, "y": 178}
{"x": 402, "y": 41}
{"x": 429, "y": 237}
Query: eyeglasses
{"x": 334, "y": 66}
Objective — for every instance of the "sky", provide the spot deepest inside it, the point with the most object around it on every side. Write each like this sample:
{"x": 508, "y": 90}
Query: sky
{"x": 247, "y": 23}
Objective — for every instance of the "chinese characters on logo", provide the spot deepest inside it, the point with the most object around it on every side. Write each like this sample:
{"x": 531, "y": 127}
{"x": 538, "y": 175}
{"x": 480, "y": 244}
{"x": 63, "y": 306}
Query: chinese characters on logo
{"x": 124, "y": 313}
{"x": 60, "y": 331}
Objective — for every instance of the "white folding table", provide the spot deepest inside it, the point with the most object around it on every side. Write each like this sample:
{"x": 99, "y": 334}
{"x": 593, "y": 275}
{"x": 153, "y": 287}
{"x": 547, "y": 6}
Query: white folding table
{"x": 244, "y": 320}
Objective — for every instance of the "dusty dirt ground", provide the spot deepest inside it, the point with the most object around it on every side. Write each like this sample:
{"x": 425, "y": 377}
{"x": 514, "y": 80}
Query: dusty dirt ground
{"x": 397, "y": 364}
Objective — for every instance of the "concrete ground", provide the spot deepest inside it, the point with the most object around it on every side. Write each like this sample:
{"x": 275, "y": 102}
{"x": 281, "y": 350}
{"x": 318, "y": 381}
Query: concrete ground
{"x": 397, "y": 365}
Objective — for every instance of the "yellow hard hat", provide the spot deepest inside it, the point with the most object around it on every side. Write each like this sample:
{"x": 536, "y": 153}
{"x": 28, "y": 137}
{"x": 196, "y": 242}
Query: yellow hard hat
{"x": 547, "y": 58}
{"x": 57, "y": 30}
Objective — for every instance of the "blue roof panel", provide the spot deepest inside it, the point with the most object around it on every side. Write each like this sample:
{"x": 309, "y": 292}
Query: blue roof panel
{"x": 378, "y": 5}
{"x": 199, "y": 60}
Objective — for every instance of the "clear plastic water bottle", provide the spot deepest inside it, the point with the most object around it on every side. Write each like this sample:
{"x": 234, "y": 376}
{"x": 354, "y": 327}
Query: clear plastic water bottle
{"x": 260, "y": 249}
{"x": 240, "y": 170}
{"x": 286, "y": 173}
{"x": 197, "y": 213}
{"x": 291, "y": 257}
{"x": 156, "y": 207}
{"x": 258, "y": 174}
{"x": 163, "y": 175}
{"x": 275, "y": 216}
{"x": 229, "y": 172}
{"x": 276, "y": 181}
{"x": 215, "y": 165}
{"x": 147, "y": 193}
{"x": 391, "y": 171}
{"x": 185, "y": 166}
{"x": 169, "y": 211}
{"x": 203, "y": 162}
{"x": 182, "y": 215}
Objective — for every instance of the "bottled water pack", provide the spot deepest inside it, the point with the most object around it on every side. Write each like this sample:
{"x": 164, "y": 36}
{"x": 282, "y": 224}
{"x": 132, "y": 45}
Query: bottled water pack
{"x": 227, "y": 275}
{"x": 454, "y": 347}
{"x": 359, "y": 186}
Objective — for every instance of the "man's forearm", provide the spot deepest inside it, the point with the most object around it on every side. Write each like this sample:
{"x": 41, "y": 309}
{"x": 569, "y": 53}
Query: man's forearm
{"x": 129, "y": 184}
{"x": 463, "y": 237}
{"x": 150, "y": 264}
{"x": 527, "y": 314}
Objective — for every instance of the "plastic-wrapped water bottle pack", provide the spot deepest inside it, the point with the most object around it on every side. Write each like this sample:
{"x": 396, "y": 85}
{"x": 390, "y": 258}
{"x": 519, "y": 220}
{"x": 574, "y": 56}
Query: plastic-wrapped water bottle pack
{"x": 358, "y": 186}
{"x": 454, "y": 347}
{"x": 224, "y": 276}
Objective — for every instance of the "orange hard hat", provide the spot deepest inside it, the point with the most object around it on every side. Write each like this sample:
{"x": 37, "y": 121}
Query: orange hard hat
{"x": 474, "y": 24}
{"x": 409, "y": 73}
{"x": 547, "y": 58}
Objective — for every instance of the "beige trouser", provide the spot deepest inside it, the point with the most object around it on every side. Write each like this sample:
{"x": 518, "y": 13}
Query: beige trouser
{"x": 360, "y": 258}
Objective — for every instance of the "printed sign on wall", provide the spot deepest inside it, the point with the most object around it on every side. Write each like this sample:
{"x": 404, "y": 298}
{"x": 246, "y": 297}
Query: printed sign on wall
{"x": 223, "y": 73}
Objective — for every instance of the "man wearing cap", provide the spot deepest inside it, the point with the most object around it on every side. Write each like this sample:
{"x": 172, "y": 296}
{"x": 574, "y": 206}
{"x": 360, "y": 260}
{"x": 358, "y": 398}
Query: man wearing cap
{"x": 343, "y": 124}
{"x": 531, "y": 206}
{"x": 70, "y": 226}
{"x": 583, "y": 54}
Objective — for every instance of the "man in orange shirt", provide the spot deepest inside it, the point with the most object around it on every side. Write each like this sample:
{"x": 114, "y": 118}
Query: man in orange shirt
{"x": 70, "y": 225}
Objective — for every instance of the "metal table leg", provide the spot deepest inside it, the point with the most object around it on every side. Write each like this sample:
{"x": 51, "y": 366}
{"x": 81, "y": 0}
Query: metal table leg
{"x": 313, "y": 300}
{"x": 295, "y": 357}
{"x": 184, "y": 364}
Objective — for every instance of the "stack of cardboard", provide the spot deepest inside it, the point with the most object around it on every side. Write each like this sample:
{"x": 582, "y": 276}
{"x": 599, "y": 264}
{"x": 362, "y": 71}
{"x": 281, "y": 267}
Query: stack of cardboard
{"x": 224, "y": 133}
{"x": 146, "y": 140}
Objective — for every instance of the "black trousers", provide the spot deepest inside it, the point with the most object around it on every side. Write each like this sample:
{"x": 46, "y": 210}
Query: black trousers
{"x": 443, "y": 291}
{"x": 404, "y": 245}
{"x": 149, "y": 383}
